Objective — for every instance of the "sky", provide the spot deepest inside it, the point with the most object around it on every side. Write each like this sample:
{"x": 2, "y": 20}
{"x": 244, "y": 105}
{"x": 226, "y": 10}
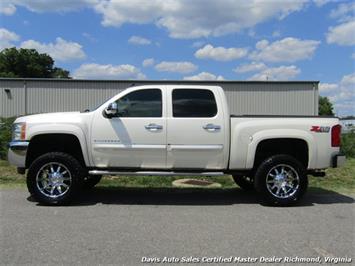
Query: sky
{"x": 193, "y": 40}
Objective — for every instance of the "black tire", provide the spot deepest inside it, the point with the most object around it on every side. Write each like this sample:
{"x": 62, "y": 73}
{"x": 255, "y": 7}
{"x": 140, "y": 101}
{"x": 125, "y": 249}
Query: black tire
{"x": 244, "y": 182}
{"x": 91, "y": 180}
{"x": 43, "y": 167}
{"x": 294, "y": 179}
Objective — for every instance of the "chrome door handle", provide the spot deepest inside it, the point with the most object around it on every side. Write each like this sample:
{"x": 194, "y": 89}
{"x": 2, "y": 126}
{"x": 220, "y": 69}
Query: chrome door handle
{"x": 153, "y": 127}
{"x": 212, "y": 127}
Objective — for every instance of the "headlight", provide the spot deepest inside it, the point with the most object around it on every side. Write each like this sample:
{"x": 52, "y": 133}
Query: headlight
{"x": 19, "y": 131}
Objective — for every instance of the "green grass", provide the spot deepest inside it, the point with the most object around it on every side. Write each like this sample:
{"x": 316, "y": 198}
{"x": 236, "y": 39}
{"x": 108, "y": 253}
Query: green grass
{"x": 9, "y": 176}
{"x": 341, "y": 180}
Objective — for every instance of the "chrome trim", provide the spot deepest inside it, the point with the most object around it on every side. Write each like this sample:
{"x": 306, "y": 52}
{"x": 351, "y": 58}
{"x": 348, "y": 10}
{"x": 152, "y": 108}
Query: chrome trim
{"x": 207, "y": 147}
{"x": 212, "y": 127}
{"x": 152, "y": 173}
{"x": 104, "y": 147}
{"x": 282, "y": 181}
{"x": 19, "y": 145}
{"x": 53, "y": 180}
{"x": 153, "y": 127}
{"x": 17, "y": 153}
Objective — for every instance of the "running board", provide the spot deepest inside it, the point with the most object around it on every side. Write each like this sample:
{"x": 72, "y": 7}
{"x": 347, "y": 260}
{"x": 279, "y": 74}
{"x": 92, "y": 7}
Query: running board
{"x": 158, "y": 173}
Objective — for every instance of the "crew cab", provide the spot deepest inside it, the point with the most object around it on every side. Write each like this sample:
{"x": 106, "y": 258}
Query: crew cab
{"x": 172, "y": 130}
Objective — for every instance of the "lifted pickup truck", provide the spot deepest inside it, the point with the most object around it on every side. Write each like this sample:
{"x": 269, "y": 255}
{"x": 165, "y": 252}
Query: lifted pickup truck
{"x": 172, "y": 130}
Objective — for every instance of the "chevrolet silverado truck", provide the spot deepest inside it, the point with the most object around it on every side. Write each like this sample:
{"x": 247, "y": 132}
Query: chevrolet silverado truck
{"x": 172, "y": 130}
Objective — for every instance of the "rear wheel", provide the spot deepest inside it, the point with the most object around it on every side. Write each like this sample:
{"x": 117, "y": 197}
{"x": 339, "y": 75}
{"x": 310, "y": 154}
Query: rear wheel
{"x": 281, "y": 180}
{"x": 244, "y": 182}
{"x": 55, "y": 178}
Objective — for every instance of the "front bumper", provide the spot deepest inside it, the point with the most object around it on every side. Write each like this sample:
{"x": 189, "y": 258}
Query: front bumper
{"x": 338, "y": 160}
{"x": 17, "y": 153}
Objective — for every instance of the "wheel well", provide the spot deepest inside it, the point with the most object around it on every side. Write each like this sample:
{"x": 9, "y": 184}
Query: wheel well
{"x": 44, "y": 143}
{"x": 297, "y": 148}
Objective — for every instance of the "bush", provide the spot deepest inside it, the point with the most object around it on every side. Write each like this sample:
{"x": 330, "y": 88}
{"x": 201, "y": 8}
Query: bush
{"x": 5, "y": 135}
{"x": 348, "y": 144}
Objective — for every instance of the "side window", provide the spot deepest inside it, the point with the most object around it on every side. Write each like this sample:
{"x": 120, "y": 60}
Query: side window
{"x": 194, "y": 103}
{"x": 141, "y": 103}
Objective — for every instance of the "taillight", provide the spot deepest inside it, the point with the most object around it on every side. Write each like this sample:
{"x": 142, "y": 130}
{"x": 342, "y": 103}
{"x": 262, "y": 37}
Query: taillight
{"x": 336, "y": 130}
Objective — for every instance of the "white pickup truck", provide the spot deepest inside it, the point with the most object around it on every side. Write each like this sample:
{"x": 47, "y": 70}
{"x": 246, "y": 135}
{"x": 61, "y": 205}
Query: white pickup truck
{"x": 172, "y": 130}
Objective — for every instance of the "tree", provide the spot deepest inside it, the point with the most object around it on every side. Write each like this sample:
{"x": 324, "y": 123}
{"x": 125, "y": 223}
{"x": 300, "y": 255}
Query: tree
{"x": 60, "y": 73}
{"x": 28, "y": 63}
{"x": 325, "y": 107}
{"x": 349, "y": 117}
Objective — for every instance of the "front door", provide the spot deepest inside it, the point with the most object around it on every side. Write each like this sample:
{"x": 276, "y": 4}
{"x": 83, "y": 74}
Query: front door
{"x": 137, "y": 137}
{"x": 196, "y": 133}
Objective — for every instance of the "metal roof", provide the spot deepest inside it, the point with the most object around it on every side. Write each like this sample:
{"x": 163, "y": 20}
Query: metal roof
{"x": 157, "y": 81}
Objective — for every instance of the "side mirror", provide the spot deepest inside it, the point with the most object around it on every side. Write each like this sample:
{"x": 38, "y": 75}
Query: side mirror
{"x": 111, "y": 110}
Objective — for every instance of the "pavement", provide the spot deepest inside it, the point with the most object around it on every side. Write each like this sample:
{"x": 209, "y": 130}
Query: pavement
{"x": 128, "y": 226}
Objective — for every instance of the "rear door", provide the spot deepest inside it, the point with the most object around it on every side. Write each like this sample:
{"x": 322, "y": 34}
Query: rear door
{"x": 196, "y": 132}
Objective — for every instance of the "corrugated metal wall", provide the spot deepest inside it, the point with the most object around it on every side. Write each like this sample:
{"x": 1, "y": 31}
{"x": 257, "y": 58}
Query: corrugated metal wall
{"x": 31, "y": 96}
{"x": 12, "y": 98}
{"x": 271, "y": 99}
{"x": 68, "y": 96}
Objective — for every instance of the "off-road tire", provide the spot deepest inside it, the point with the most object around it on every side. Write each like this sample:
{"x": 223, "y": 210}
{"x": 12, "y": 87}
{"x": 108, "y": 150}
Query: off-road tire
{"x": 273, "y": 162}
{"x": 76, "y": 170}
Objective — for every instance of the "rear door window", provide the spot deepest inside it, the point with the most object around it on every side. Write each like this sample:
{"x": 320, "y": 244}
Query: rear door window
{"x": 193, "y": 103}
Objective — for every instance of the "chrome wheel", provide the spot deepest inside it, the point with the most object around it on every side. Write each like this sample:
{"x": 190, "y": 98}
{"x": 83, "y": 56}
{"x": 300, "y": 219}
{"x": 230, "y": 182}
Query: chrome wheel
{"x": 282, "y": 181}
{"x": 53, "y": 180}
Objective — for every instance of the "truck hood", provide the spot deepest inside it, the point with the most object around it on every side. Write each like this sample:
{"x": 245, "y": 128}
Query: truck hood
{"x": 62, "y": 117}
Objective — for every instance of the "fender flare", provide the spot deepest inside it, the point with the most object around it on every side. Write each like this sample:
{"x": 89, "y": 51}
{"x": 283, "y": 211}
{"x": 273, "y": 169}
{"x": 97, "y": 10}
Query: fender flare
{"x": 76, "y": 131}
{"x": 281, "y": 134}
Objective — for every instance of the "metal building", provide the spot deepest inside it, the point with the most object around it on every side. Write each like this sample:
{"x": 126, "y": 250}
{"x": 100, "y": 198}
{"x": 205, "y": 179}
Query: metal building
{"x": 30, "y": 96}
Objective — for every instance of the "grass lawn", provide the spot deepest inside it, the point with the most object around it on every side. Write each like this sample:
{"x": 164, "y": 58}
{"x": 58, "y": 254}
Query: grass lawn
{"x": 341, "y": 180}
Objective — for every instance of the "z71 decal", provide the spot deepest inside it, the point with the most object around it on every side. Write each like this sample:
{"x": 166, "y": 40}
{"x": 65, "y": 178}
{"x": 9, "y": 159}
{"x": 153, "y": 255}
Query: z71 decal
{"x": 320, "y": 129}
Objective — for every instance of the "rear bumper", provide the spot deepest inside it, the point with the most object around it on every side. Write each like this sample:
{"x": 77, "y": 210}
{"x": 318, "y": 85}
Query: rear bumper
{"x": 17, "y": 153}
{"x": 338, "y": 160}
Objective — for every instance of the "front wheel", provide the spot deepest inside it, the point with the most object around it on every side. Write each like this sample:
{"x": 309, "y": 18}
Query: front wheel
{"x": 281, "y": 180}
{"x": 55, "y": 178}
